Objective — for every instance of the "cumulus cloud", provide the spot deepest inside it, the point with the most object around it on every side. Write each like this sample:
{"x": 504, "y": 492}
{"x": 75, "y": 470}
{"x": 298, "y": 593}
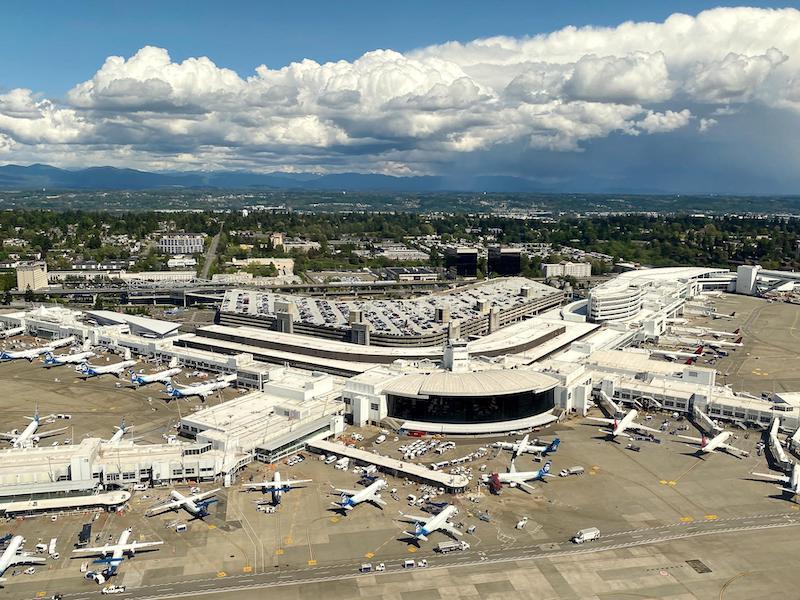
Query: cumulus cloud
{"x": 656, "y": 122}
{"x": 403, "y": 113}
{"x": 706, "y": 124}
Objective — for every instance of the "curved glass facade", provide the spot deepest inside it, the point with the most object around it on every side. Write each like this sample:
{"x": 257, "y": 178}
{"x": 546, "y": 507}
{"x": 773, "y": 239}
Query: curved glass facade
{"x": 471, "y": 409}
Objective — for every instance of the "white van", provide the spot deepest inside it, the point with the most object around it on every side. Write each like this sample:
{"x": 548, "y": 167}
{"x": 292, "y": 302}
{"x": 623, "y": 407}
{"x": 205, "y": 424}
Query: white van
{"x": 343, "y": 463}
{"x": 331, "y": 459}
{"x": 380, "y": 439}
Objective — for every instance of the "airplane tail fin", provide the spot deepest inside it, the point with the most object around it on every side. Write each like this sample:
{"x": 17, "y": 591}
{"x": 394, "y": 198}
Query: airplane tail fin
{"x": 738, "y": 329}
{"x": 689, "y": 361}
{"x": 739, "y": 340}
{"x": 699, "y": 350}
{"x": 553, "y": 445}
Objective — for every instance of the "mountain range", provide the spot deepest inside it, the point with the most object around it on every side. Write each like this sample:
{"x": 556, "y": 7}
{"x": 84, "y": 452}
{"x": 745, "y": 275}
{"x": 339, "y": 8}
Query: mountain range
{"x": 38, "y": 176}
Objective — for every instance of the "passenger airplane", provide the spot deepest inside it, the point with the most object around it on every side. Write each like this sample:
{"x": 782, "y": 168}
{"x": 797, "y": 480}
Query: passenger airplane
{"x": 31, "y": 353}
{"x": 675, "y": 355}
{"x": 717, "y": 315}
{"x": 120, "y": 431}
{"x": 716, "y": 344}
{"x": 709, "y": 446}
{"x": 31, "y": 434}
{"x": 201, "y": 390}
{"x": 352, "y": 498}
{"x": 85, "y": 370}
{"x": 196, "y": 504}
{"x": 793, "y": 480}
{"x": 704, "y": 331}
{"x": 424, "y": 526}
{"x": 621, "y": 426}
{"x": 516, "y": 478}
{"x": 7, "y": 333}
{"x": 58, "y": 360}
{"x": 522, "y": 446}
{"x": 276, "y": 486}
{"x": 138, "y": 379}
{"x": 14, "y": 555}
{"x": 114, "y": 554}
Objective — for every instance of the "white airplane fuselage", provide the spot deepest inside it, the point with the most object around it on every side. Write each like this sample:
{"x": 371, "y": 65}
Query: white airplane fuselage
{"x": 368, "y": 493}
{"x": 160, "y": 377}
{"x": 114, "y": 369}
{"x": 26, "y": 437}
{"x": 10, "y": 552}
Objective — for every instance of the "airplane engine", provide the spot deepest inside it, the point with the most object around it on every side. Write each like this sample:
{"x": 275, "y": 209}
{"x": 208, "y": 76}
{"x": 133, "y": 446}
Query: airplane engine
{"x": 36, "y": 438}
{"x": 513, "y": 484}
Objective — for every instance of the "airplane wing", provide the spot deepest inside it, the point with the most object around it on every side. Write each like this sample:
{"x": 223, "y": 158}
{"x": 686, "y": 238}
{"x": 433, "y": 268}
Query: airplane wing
{"x": 203, "y": 496}
{"x": 692, "y": 439}
{"x": 8, "y": 436}
{"x": 98, "y": 550}
{"x": 734, "y": 450}
{"x": 413, "y": 518}
{"x": 781, "y": 478}
{"x": 296, "y": 481}
{"x": 51, "y": 433}
{"x": 163, "y": 507}
{"x": 377, "y": 500}
{"x": 135, "y": 546}
{"x": 640, "y": 427}
{"x": 601, "y": 420}
{"x": 26, "y": 558}
{"x": 257, "y": 486}
{"x": 526, "y": 485}
{"x": 451, "y": 529}
{"x": 345, "y": 492}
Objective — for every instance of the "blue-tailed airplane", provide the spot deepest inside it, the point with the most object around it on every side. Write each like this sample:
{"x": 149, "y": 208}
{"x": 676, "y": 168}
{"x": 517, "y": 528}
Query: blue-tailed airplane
{"x": 277, "y": 486}
{"x": 196, "y": 504}
{"x": 59, "y": 360}
{"x": 202, "y": 390}
{"x": 520, "y": 479}
{"x": 113, "y": 554}
{"x": 138, "y": 379}
{"x": 424, "y": 526}
{"x": 31, "y": 353}
{"x": 85, "y": 370}
{"x": 523, "y": 445}
{"x": 352, "y": 498}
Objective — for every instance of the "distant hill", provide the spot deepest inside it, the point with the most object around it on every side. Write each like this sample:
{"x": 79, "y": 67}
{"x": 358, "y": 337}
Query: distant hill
{"x": 39, "y": 176}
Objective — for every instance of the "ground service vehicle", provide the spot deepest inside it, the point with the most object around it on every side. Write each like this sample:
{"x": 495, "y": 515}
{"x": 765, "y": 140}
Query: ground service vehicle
{"x": 586, "y": 535}
{"x": 451, "y": 545}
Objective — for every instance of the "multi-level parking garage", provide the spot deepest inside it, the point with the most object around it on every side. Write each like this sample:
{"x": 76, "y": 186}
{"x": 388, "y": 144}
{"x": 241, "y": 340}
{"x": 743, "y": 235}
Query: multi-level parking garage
{"x": 467, "y": 312}
{"x": 626, "y": 296}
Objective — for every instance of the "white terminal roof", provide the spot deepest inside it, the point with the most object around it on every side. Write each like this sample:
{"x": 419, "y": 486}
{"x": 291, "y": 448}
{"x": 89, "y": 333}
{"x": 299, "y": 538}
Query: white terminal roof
{"x": 154, "y": 326}
{"x": 439, "y": 478}
{"x": 475, "y": 383}
{"x": 668, "y": 274}
{"x": 637, "y": 361}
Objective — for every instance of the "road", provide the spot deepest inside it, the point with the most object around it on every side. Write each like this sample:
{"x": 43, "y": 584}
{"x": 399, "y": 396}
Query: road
{"x": 210, "y": 254}
{"x": 225, "y": 586}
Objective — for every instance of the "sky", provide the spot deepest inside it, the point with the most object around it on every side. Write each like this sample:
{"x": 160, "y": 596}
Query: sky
{"x": 585, "y": 95}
